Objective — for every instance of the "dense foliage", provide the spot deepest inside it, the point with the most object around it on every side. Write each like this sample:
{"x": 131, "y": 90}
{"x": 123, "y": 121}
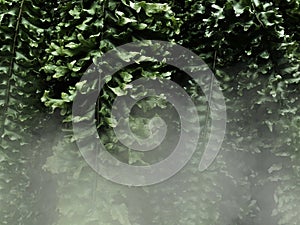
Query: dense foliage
{"x": 252, "y": 46}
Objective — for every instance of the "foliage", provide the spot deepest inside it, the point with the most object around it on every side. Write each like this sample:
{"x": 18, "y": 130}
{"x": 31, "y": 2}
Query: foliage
{"x": 252, "y": 46}
{"x": 23, "y": 27}
{"x": 258, "y": 65}
{"x": 85, "y": 32}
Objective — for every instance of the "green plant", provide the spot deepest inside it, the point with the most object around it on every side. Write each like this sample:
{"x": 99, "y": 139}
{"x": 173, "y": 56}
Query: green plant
{"x": 251, "y": 46}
